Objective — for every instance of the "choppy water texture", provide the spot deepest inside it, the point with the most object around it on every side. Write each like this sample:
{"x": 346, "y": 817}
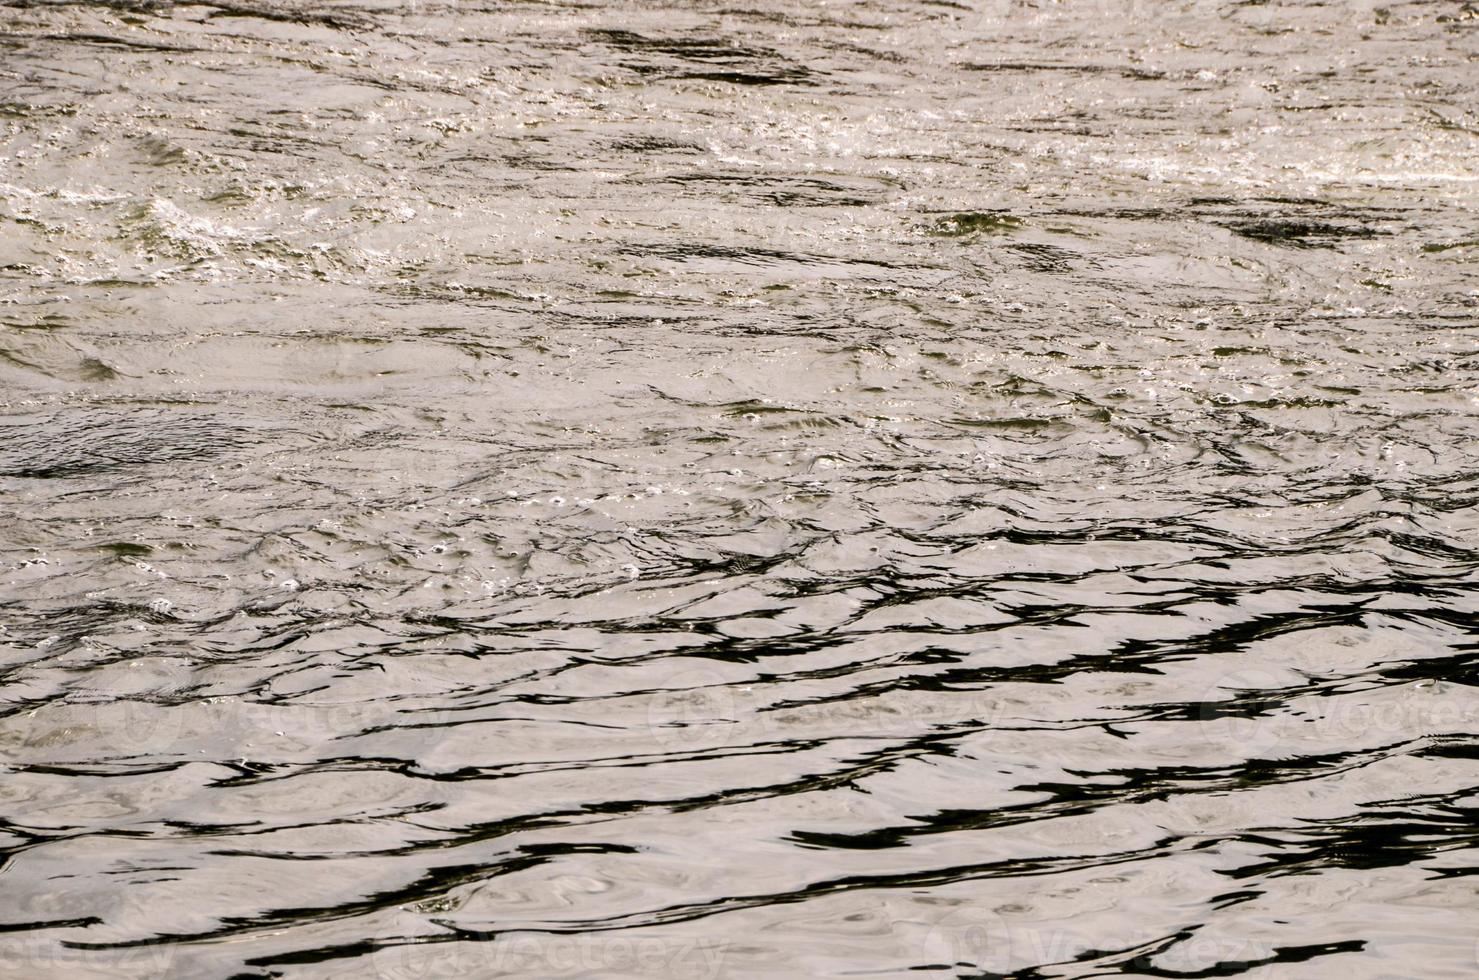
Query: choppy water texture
{"x": 902, "y": 487}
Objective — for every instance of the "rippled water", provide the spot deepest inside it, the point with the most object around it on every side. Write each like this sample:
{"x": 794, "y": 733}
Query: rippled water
{"x": 888, "y": 488}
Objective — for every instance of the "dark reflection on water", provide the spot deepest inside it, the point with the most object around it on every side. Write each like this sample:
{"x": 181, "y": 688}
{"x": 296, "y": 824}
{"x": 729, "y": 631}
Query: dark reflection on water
{"x": 873, "y": 489}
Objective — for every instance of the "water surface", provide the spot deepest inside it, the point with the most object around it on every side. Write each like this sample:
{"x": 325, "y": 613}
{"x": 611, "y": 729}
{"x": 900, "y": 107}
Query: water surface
{"x": 892, "y": 488}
